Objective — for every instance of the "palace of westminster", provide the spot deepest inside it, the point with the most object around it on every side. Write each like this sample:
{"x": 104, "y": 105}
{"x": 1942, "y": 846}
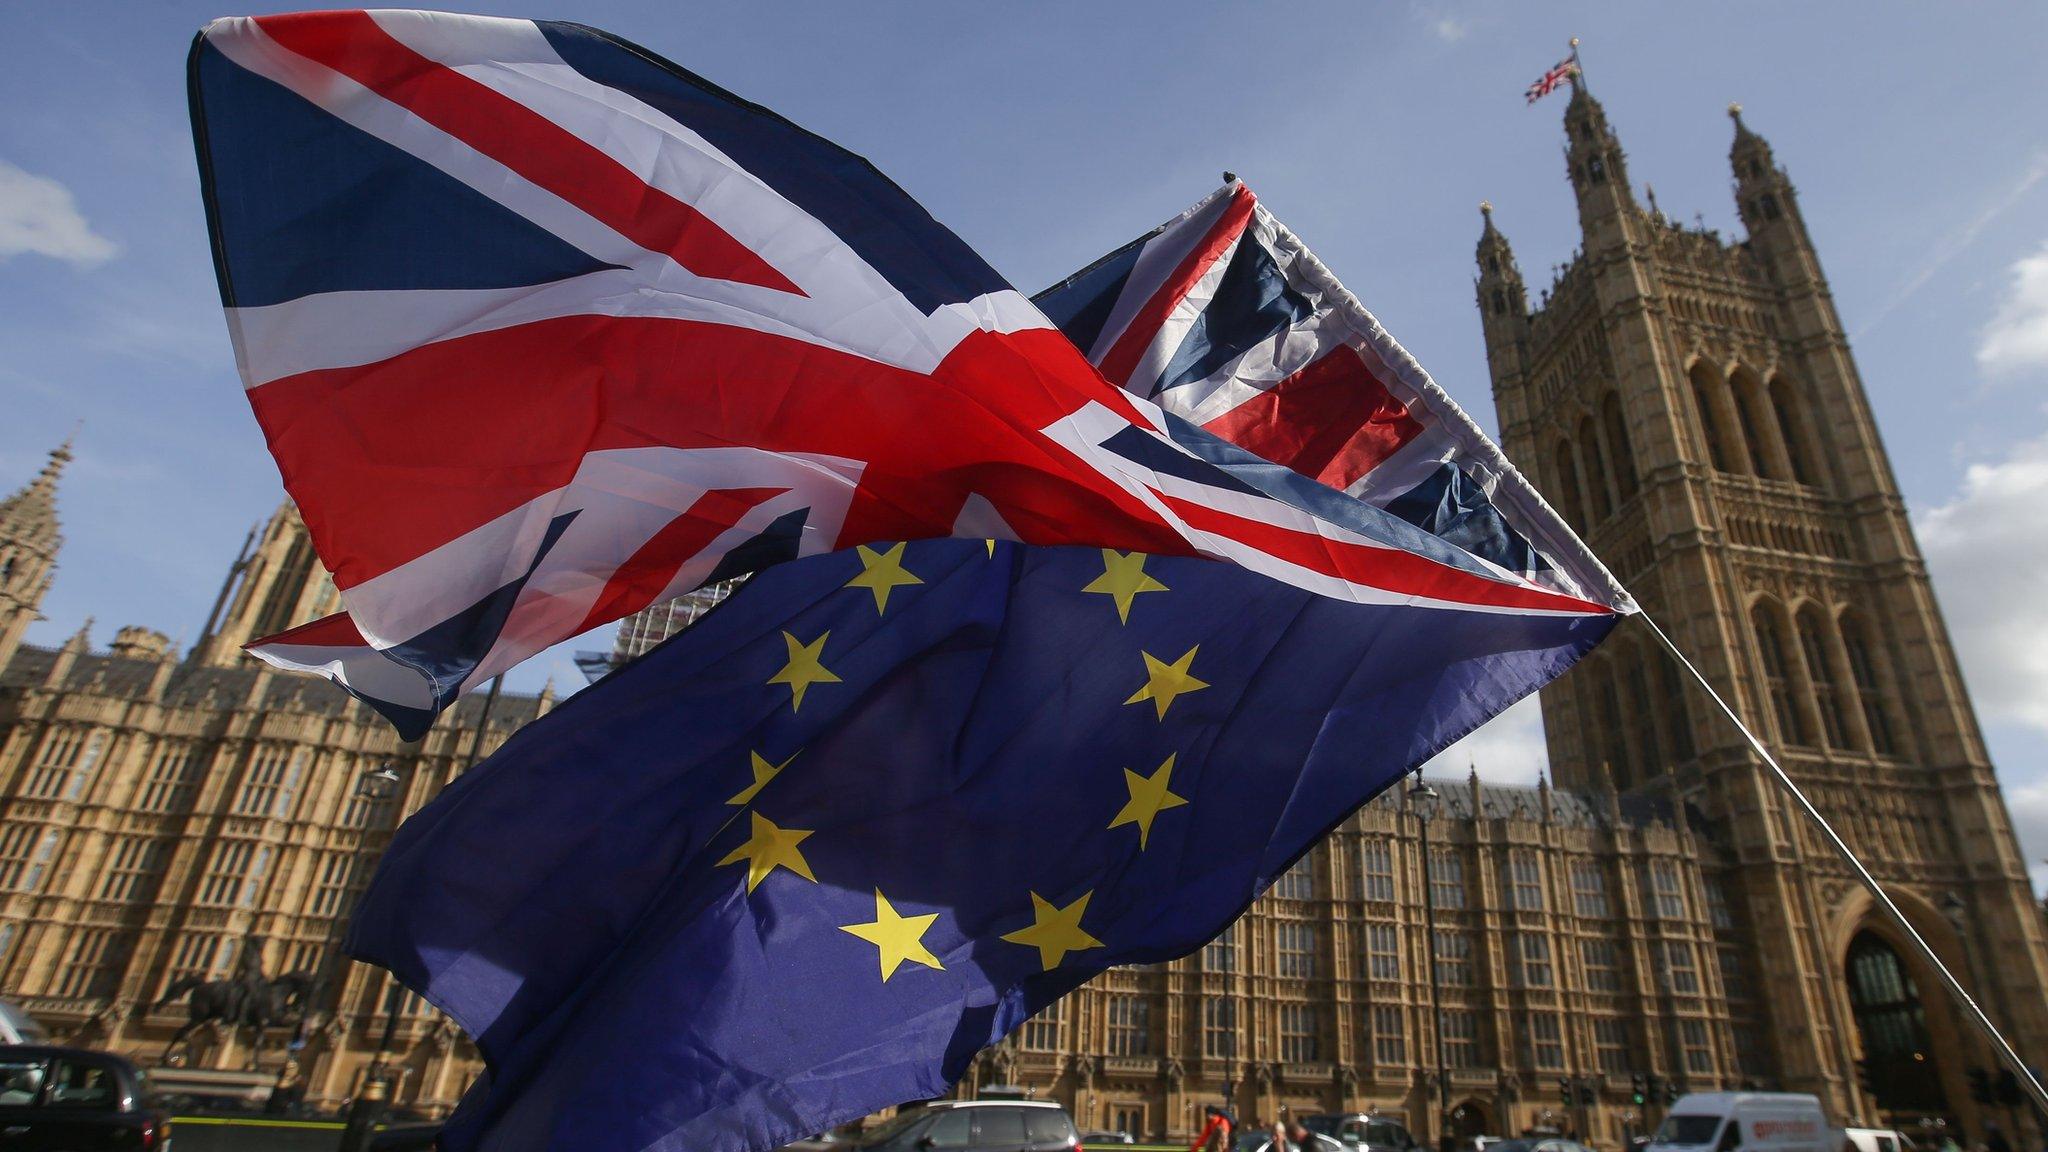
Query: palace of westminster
{"x": 1690, "y": 404}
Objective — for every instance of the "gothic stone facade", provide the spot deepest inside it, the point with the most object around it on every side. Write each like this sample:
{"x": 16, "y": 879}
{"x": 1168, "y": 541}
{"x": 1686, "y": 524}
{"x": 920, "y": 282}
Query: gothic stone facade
{"x": 156, "y": 813}
{"x": 1691, "y": 405}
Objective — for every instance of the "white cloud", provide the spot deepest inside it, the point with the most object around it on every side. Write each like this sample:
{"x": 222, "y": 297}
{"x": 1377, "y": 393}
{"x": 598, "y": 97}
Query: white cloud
{"x": 1506, "y": 750}
{"x": 2017, "y": 337}
{"x": 2028, "y": 804}
{"x": 38, "y": 216}
{"x": 1450, "y": 29}
{"x": 1986, "y": 549}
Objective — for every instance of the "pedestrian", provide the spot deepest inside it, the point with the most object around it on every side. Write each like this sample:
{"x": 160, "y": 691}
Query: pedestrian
{"x": 1215, "y": 1135}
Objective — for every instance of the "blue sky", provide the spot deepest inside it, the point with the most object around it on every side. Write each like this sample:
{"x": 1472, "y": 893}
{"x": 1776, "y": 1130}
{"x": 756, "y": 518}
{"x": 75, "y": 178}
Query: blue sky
{"x": 1046, "y": 137}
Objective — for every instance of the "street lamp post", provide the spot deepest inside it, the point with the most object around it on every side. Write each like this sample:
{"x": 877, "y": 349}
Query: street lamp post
{"x": 1423, "y": 798}
{"x": 366, "y": 1110}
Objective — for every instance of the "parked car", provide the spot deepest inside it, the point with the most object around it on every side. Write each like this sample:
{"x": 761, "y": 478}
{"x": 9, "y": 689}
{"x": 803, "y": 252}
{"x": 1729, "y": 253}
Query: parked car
{"x": 1362, "y": 1130}
{"x": 1537, "y": 1144}
{"x": 407, "y": 1136}
{"x": 76, "y": 1100}
{"x": 18, "y": 1027}
{"x": 833, "y": 1140}
{"x": 1263, "y": 1142}
{"x": 976, "y": 1126}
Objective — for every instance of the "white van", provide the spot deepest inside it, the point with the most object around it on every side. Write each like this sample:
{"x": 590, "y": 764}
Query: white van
{"x": 1756, "y": 1121}
{"x": 1877, "y": 1140}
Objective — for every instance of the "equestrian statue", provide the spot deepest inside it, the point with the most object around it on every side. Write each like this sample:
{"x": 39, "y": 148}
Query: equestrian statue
{"x": 248, "y": 999}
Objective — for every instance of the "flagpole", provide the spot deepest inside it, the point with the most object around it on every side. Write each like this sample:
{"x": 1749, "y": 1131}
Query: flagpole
{"x": 2005, "y": 1050}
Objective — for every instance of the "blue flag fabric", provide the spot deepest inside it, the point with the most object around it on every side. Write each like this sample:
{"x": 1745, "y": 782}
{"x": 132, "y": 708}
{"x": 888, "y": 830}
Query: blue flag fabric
{"x": 867, "y": 817}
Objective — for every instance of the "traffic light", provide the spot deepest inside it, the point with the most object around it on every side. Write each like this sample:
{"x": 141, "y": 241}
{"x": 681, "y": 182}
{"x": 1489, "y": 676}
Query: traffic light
{"x": 1653, "y": 1089}
{"x": 1863, "y": 1080}
{"x": 2009, "y": 1089}
{"x": 1564, "y": 1092}
{"x": 1636, "y": 1093}
{"x": 1980, "y": 1086}
{"x": 1586, "y": 1093}
{"x": 1672, "y": 1092}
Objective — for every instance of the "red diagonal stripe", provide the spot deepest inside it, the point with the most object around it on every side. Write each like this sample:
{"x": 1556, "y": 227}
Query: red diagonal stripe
{"x": 1333, "y": 420}
{"x": 523, "y": 140}
{"x": 1390, "y": 569}
{"x": 644, "y": 575}
{"x": 1122, "y": 358}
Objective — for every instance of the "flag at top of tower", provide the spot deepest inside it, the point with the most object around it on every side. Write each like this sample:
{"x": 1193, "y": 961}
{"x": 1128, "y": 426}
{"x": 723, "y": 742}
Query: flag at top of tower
{"x": 1559, "y": 72}
{"x": 542, "y": 329}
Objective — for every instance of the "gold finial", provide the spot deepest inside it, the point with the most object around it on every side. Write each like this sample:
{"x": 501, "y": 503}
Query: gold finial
{"x": 1486, "y": 208}
{"x": 1575, "y": 41}
{"x": 1735, "y": 110}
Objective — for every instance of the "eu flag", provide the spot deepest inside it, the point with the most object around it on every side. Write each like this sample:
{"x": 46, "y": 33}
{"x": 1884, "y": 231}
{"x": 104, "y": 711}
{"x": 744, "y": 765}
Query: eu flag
{"x": 871, "y": 814}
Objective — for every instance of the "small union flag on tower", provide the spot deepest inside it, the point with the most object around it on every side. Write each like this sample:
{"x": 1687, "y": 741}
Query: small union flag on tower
{"x": 1558, "y": 74}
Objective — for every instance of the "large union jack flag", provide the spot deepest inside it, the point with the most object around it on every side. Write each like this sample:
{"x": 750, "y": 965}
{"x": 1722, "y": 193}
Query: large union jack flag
{"x": 542, "y": 329}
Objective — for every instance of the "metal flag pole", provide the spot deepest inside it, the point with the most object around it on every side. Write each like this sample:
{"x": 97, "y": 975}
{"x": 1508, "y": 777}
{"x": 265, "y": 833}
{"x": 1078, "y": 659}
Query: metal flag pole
{"x": 483, "y": 721}
{"x": 2006, "y": 1053}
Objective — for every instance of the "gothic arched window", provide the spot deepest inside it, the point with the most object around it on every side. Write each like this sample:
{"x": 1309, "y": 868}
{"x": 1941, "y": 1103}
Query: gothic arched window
{"x": 1876, "y": 712}
{"x": 1791, "y": 427}
{"x": 1770, "y": 643}
{"x": 1703, "y": 384}
{"x": 1597, "y": 500}
{"x": 1745, "y": 397}
{"x": 1892, "y": 1024}
{"x": 1672, "y": 693}
{"x": 1649, "y": 751}
{"x": 1617, "y": 443}
{"x": 1567, "y": 488}
{"x": 1820, "y": 673}
{"x": 1612, "y": 740}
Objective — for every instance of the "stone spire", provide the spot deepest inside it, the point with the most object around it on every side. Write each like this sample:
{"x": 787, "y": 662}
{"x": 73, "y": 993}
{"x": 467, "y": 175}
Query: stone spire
{"x": 30, "y": 515}
{"x": 29, "y": 540}
{"x": 1503, "y": 298}
{"x": 1599, "y": 173}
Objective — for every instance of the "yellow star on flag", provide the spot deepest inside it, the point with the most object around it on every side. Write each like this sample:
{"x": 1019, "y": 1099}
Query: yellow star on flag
{"x": 991, "y": 548}
{"x": 1149, "y": 798}
{"x": 1123, "y": 577}
{"x": 769, "y": 848}
{"x": 803, "y": 669}
{"x": 881, "y": 572}
{"x": 1165, "y": 682}
{"x": 1055, "y": 931}
{"x": 899, "y": 938}
{"x": 763, "y": 773}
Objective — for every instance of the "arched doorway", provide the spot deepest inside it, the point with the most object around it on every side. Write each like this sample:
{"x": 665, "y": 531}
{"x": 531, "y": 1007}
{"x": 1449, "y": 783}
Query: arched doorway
{"x": 1468, "y": 1119}
{"x": 1892, "y": 1025}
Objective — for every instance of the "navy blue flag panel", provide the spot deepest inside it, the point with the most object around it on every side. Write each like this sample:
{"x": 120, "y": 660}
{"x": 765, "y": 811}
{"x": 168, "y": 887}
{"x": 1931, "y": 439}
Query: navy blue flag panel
{"x": 807, "y": 858}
